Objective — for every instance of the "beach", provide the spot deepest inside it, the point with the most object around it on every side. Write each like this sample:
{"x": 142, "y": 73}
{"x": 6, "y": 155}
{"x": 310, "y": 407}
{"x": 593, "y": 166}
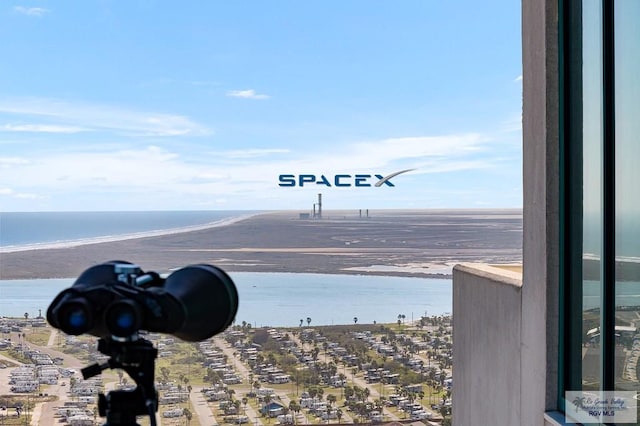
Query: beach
{"x": 416, "y": 243}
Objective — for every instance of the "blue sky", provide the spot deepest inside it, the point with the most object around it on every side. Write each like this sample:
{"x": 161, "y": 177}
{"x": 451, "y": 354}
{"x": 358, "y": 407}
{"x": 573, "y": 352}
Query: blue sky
{"x": 150, "y": 105}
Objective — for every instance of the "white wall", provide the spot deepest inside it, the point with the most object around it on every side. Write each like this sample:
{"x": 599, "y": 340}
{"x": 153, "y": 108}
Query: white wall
{"x": 487, "y": 312}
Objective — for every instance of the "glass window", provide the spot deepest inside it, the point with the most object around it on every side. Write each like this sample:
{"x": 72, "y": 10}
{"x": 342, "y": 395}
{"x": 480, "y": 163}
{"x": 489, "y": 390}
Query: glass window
{"x": 627, "y": 206}
{"x": 592, "y": 122}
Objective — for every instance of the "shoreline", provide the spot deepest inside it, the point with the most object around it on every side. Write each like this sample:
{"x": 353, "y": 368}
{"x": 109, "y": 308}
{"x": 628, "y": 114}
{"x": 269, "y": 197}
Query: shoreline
{"x": 54, "y": 245}
{"x": 404, "y": 243}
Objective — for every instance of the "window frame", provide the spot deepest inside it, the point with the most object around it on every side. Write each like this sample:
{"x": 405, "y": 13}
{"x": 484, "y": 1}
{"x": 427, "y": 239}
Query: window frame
{"x": 571, "y": 199}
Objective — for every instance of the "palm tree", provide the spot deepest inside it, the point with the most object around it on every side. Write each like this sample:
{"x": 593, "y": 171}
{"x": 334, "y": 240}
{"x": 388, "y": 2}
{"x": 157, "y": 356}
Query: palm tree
{"x": 308, "y": 320}
{"x": 355, "y": 320}
{"x": 295, "y": 407}
{"x": 164, "y": 371}
{"x": 301, "y": 322}
{"x": 331, "y": 399}
{"x": 267, "y": 401}
{"x": 256, "y": 386}
{"x": 188, "y": 414}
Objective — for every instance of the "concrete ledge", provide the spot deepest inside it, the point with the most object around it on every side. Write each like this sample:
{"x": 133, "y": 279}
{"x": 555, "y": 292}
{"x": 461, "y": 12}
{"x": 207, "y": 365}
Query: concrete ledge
{"x": 495, "y": 273}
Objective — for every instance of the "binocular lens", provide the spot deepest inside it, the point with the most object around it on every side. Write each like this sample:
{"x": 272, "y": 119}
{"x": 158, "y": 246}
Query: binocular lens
{"x": 123, "y": 318}
{"x": 75, "y": 318}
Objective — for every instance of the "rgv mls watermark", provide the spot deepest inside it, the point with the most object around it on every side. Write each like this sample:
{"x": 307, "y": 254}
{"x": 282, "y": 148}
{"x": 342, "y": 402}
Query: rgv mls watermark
{"x": 602, "y": 407}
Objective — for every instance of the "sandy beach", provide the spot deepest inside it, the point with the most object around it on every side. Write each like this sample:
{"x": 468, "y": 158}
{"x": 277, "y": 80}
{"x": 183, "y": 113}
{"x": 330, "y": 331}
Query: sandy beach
{"x": 420, "y": 243}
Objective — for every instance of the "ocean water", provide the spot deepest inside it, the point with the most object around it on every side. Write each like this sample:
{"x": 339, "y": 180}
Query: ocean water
{"x": 24, "y": 231}
{"x": 282, "y": 299}
{"x": 627, "y": 294}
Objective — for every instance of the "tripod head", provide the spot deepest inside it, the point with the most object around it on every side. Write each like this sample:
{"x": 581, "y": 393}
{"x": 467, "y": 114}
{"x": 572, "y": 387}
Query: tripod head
{"x": 136, "y": 357}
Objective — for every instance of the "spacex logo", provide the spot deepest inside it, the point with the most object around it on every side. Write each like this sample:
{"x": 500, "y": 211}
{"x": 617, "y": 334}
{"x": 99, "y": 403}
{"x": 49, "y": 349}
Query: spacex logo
{"x": 339, "y": 181}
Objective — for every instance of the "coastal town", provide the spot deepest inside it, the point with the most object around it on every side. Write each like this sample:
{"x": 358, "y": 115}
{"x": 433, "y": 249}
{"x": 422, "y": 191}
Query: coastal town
{"x": 340, "y": 374}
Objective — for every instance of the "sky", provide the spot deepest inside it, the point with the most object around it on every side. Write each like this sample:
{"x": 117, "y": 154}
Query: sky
{"x": 202, "y": 105}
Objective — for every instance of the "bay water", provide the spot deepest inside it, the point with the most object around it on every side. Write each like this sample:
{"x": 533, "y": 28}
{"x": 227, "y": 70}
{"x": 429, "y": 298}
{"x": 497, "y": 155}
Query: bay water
{"x": 283, "y": 299}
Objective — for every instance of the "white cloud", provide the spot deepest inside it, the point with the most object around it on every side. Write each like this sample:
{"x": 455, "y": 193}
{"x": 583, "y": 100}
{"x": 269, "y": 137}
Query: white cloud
{"x": 26, "y": 196}
{"x": 413, "y": 148}
{"x": 41, "y": 128}
{"x": 8, "y": 192}
{"x": 31, "y": 11}
{"x": 253, "y": 153}
{"x": 156, "y": 177}
{"x": 518, "y": 78}
{"x": 513, "y": 123}
{"x": 99, "y": 117}
{"x": 246, "y": 94}
{"x": 13, "y": 161}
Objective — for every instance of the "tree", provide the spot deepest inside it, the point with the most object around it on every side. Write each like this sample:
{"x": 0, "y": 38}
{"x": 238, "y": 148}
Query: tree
{"x": 313, "y": 392}
{"x": 26, "y": 315}
{"x": 267, "y": 401}
{"x": 301, "y": 322}
{"x": 355, "y": 320}
{"x": 256, "y": 386}
{"x": 308, "y": 320}
{"x": 348, "y": 392}
{"x": 188, "y": 414}
{"x": 331, "y": 399}
{"x": 164, "y": 372}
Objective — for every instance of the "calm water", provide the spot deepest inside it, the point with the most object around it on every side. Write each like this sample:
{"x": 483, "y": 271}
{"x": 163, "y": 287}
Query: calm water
{"x": 20, "y": 231}
{"x": 279, "y": 299}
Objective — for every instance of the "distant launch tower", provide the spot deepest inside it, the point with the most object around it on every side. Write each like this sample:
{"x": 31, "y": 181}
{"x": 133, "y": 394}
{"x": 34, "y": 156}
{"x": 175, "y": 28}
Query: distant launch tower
{"x": 317, "y": 214}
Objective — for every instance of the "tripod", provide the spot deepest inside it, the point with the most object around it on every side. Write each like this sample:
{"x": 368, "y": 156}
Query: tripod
{"x": 137, "y": 357}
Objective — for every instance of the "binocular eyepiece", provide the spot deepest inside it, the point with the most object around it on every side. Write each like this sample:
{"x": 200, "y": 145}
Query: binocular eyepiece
{"x": 117, "y": 299}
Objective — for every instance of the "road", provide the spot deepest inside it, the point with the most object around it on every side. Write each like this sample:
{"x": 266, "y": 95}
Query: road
{"x": 201, "y": 407}
{"x": 244, "y": 371}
